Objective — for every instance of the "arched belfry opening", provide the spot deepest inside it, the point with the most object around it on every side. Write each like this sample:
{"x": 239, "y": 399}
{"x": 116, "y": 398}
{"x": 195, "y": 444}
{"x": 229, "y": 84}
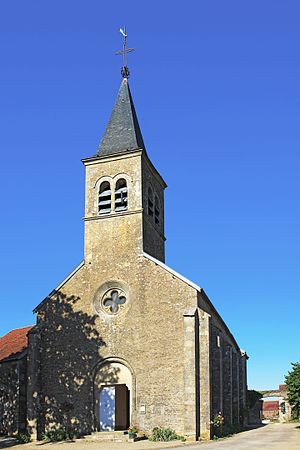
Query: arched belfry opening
{"x": 104, "y": 204}
{"x": 121, "y": 195}
{"x": 114, "y": 395}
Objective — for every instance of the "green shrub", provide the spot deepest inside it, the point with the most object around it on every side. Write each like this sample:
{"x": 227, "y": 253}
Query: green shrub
{"x": 23, "y": 437}
{"x": 61, "y": 434}
{"x": 164, "y": 434}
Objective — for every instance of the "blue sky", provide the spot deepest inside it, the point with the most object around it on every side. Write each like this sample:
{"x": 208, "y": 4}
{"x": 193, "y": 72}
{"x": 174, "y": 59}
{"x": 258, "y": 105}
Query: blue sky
{"x": 216, "y": 88}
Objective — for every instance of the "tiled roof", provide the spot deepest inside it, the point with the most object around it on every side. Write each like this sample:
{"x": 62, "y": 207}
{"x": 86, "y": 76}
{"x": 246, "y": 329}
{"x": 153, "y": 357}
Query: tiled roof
{"x": 13, "y": 342}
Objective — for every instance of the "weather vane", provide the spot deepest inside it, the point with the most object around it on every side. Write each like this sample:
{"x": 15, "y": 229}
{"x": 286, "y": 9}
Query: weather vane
{"x": 124, "y": 71}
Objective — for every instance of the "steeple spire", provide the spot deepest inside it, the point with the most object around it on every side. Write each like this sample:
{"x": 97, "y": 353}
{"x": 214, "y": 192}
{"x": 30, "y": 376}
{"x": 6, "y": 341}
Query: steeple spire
{"x": 123, "y": 131}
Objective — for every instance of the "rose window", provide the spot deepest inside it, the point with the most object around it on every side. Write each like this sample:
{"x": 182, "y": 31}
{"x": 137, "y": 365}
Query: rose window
{"x": 113, "y": 301}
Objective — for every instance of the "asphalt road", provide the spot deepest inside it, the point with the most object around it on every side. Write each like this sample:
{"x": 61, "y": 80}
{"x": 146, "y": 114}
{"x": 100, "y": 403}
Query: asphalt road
{"x": 275, "y": 436}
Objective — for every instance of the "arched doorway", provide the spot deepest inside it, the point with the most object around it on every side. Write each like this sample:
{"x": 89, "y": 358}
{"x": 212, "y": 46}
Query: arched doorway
{"x": 114, "y": 395}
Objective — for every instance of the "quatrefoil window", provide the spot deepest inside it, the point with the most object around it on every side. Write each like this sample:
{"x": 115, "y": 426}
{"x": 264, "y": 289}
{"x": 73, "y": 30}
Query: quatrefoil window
{"x": 113, "y": 300}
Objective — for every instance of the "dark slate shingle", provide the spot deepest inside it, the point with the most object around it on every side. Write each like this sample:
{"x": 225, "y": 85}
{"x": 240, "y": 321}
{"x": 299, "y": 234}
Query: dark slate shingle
{"x": 123, "y": 131}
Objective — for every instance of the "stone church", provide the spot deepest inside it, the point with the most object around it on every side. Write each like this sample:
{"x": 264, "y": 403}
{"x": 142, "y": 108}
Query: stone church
{"x": 124, "y": 339}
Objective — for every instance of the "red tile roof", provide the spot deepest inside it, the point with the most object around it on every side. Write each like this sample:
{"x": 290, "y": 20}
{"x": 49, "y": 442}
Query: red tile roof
{"x": 13, "y": 342}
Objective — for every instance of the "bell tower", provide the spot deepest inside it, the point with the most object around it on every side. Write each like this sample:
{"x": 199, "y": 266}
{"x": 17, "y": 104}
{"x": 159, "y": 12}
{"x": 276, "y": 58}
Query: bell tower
{"x": 124, "y": 193}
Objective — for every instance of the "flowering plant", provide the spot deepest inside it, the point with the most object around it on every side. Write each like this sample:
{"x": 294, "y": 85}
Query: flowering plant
{"x": 133, "y": 429}
{"x": 217, "y": 420}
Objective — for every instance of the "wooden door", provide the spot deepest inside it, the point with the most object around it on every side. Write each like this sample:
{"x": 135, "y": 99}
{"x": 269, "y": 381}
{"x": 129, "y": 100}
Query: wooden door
{"x": 122, "y": 407}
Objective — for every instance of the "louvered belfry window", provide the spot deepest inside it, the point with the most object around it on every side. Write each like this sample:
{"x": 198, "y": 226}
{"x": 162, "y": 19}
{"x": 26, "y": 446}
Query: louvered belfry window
{"x": 121, "y": 198}
{"x": 104, "y": 204}
{"x": 150, "y": 202}
{"x": 156, "y": 211}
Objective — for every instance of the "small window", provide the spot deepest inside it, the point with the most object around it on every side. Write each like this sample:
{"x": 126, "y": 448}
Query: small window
{"x": 150, "y": 202}
{"x": 121, "y": 200}
{"x": 104, "y": 203}
{"x": 156, "y": 211}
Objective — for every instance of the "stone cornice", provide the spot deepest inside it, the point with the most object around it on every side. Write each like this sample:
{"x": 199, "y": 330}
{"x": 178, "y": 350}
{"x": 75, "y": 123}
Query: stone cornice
{"x": 102, "y": 159}
{"x": 112, "y": 215}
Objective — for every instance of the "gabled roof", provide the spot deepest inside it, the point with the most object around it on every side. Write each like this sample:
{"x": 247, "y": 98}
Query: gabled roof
{"x": 123, "y": 131}
{"x": 14, "y": 342}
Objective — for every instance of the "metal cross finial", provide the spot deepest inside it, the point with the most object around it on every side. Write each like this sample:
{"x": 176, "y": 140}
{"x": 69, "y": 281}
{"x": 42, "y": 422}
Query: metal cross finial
{"x": 124, "y": 71}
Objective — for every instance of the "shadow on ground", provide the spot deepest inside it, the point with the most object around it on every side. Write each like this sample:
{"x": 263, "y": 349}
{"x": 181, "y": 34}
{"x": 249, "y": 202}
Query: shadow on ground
{"x": 7, "y": 442}
{"x": 254, "y": 426}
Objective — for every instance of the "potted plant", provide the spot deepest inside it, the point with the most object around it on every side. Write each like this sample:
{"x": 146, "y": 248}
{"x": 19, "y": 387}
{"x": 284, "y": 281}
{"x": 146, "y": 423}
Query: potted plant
{"x": 132, "y": 432}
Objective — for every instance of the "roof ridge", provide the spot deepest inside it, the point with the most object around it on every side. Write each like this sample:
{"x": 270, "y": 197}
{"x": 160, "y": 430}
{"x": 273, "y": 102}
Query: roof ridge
{"x": 173, "y": 272}
{"x": 15, "y": 329}
{"x": 13, "y": 343}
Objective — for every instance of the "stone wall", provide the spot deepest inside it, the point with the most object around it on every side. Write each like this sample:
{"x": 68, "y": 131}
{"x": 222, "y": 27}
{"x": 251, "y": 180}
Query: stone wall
{"x": 181, "y": 356}
{"x": 255, "y": 413}
{"x": 153, "y": 233}
{"x": 227, "y": 382}
{"x": 167, "y": 343}
{"x": 243, "y": 388}
{"x": 13, "y": 396}
{"x": 216, "y": 370}
{"x": 228, "y": 379}
{"x": 74, "y": 339}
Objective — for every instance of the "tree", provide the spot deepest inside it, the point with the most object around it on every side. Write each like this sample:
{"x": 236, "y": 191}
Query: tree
{"x": 292, "y": 381}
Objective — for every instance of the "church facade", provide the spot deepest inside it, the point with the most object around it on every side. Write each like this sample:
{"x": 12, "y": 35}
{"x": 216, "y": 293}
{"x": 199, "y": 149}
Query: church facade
{"x": 125, "y": 339}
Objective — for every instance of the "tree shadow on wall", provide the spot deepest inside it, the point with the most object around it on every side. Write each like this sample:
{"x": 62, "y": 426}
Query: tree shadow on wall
{"x": 9, "y": 403}
{"x": 70, "y": 348}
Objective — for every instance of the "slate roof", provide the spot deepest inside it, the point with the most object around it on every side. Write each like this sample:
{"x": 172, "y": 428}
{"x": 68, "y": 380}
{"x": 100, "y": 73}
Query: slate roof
{"x": 123, "y": 131}
{"x": 14, "y": 342}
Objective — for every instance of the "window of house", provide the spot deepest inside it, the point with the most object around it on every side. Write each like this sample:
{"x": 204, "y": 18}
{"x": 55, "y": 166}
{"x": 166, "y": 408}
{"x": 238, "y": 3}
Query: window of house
{"x": 121, "y": 198}
{"x": 104, "y": 201}
{"x": 150, "y": 202}
{"x": 156, "y": 211}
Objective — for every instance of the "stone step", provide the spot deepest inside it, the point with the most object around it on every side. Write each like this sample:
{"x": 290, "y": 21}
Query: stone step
{"x": 109, "y": 436}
